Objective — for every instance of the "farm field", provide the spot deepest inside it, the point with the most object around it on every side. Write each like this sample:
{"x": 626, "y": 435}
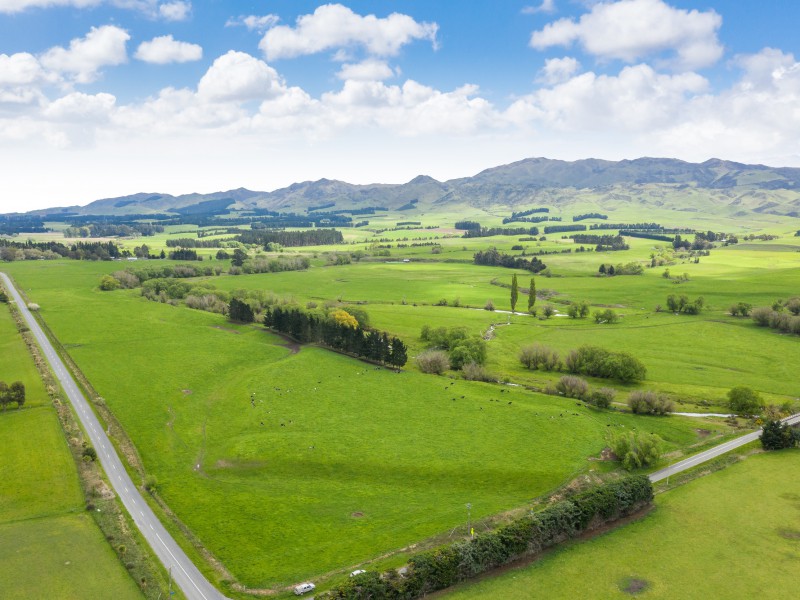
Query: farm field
{"x": 732, "y": 534}
{"x": 350, "y": 462}
{"x": 292, "y": 462}
{"x": 49, "y": 546}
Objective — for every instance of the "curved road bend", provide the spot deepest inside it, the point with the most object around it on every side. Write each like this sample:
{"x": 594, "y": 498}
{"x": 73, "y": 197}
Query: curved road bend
{"x": 707, "y": 455}
{"x": 191, "y": 582}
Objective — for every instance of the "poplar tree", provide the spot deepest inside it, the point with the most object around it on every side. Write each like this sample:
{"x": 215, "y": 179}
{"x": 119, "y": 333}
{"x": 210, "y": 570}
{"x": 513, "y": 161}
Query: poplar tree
{"x": 514, "y": 292}
{"x": 531, "y": 295}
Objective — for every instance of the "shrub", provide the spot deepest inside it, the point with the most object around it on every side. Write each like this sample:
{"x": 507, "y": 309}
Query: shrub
{"x": 433, "y": 361}
{"x": 599, "y": 362}
{"x": 650, "y": 403}
{"x": 475, "y": 372}
{"x": 548, "y": 311}
{"x": 636, "y": 449}
{"x": 535, "y": 356}
{"x": 603, "y": 397}
{"x": 108, "y": 283}
{"x": 489, "y": 305}
{"x": 573, "y": 387}
{"x": 761, "y": 315}
{"x": 745, "y": 401}
{"x": 89, "y": 453}
{"x": 606, "y": 316}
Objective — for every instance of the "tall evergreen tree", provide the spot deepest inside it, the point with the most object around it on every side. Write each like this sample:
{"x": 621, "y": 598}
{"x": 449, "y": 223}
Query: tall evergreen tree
{"x": 514, "y": 292}
{"x": 531, "y": 295}
{"x": 240, "y": 311}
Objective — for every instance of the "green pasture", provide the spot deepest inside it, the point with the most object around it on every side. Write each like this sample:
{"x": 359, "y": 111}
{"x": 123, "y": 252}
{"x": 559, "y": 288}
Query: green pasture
{"x": 17, "y": 364}
{"x": 64, "y": 557}
{"x": 732, "y": 534}
{"x": 291, "y": 465}
{"x": 49, "y": 547}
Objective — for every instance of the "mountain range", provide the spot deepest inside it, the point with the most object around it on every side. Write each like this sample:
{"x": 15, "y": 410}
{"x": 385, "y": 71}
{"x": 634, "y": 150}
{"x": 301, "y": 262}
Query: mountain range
{"x": 555, "y": 182}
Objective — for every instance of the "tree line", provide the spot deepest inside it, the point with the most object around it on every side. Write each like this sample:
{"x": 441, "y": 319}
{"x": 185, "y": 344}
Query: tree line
{"x": 593, "y": 215}
{"x": 563, "y": 228}
{"x": 96, "y": 230}
{"x": 493, "y": 258}
{"x": 492, "y": 231}
{"x": 292, "y": 239}
{"x": 337, "y": 331}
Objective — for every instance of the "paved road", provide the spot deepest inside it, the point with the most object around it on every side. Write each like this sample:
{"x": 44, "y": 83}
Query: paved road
{"x": 184, "y": 573}
{"x": 702, "y": 457}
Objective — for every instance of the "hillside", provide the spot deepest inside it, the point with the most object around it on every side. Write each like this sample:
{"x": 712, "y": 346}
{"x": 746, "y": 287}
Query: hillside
{"x": 661, "y": 182}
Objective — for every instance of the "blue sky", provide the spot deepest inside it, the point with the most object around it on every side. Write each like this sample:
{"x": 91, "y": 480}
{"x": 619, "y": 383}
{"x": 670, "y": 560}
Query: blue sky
{"x": 103, "y": 98}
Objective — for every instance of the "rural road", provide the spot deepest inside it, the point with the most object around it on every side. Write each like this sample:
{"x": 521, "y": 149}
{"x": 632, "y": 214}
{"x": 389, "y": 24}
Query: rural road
{"x": 707, "y": 455}
{"x": 191, "y": 582}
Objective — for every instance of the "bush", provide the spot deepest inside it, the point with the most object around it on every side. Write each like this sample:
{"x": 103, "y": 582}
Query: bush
{"x": 745, "y": 401}
{"x": 598, "y": 362}
{"x": 606, "y": 316}
{"x": 489, "y": 305}
{"x": 108, "y": 283}
{"x": 636, "y": 449}
{"x": 761, "y": 315}
{"x": 89, "y": 453}
{"x": 535, "y": 356}
{"x": 603, "y": 397}
{"x": 650, "y": 403}
{"x": 475, "y": 372}
{"x": 573, "y": 387}
{"x": 433, "y": 361}
{"x": 548, "y": 311}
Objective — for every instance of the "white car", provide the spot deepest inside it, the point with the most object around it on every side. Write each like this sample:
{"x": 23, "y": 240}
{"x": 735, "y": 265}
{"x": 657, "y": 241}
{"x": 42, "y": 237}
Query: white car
{"x": 357, "y": 572}
{"x": 301, "y": 589}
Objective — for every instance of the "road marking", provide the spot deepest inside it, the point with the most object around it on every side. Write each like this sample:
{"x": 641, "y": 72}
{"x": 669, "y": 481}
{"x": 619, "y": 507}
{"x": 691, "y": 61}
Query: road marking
{"x": 180, "y": 566}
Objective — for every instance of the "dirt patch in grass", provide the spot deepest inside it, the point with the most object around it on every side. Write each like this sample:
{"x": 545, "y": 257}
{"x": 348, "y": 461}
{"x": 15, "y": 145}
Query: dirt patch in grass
{"x": 357, "y": 515}
{"x": 703, "y": 433}
{"x": 186, "y": 392}
{"x": 789, "y": 534}
{"x": 634, "y": 585}
{"x": 228, "y": 329}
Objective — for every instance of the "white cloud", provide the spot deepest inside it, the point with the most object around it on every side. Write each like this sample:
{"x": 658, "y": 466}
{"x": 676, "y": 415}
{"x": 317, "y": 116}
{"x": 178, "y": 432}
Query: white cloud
{"x": 239, "y": 77}
{"x": 630, "y": 30}
{"x": 20, "y": 69}
{"x": 556, "y": 70}
{"x": 638, "y": 99}
{"x": 165, "y": 49}
{"x": 547, "y": 6}
{"x": 175, "y": 11}
{"x": 14, "y": 6}
{"x": 334, "y": 26}
{"x": 102, "y": 46}
{"x": 79, "y": 107}
{"x": 368, "y": 70}
{"x": 253, "y": 22}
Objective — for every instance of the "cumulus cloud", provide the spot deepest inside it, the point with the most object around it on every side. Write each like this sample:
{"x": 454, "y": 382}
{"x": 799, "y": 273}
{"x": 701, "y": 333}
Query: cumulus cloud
{"x": 253, "y": 22}
{"x": 79, "y": 107}
{"x": 556, "y": 70}
{"x": 368, "y": 70}
{"x": 175, "y": 11}
{"x": 237, "y": 76}
{"x": 637, "y": 99}
{"x": 20, "y": 69}
{"x": 630, "y": 30}
{"x": 102, "y": 46}
{"x": 333, "y": 26}
{"x": 547, "y": 6}
{"x": 165, "y": 49}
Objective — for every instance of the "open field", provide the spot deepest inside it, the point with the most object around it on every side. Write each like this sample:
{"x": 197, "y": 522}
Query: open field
{"x": 49, "y": 546}
{"x": 732, "y": 534}
{"x": 288, "y": 464}
{"x": 350, "y": 461}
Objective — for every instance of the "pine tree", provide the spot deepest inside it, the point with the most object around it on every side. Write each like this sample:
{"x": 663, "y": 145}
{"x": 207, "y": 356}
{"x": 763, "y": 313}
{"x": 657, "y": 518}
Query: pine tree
{"x": 531, "y": 295}
{"x": 514, "y": 292}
